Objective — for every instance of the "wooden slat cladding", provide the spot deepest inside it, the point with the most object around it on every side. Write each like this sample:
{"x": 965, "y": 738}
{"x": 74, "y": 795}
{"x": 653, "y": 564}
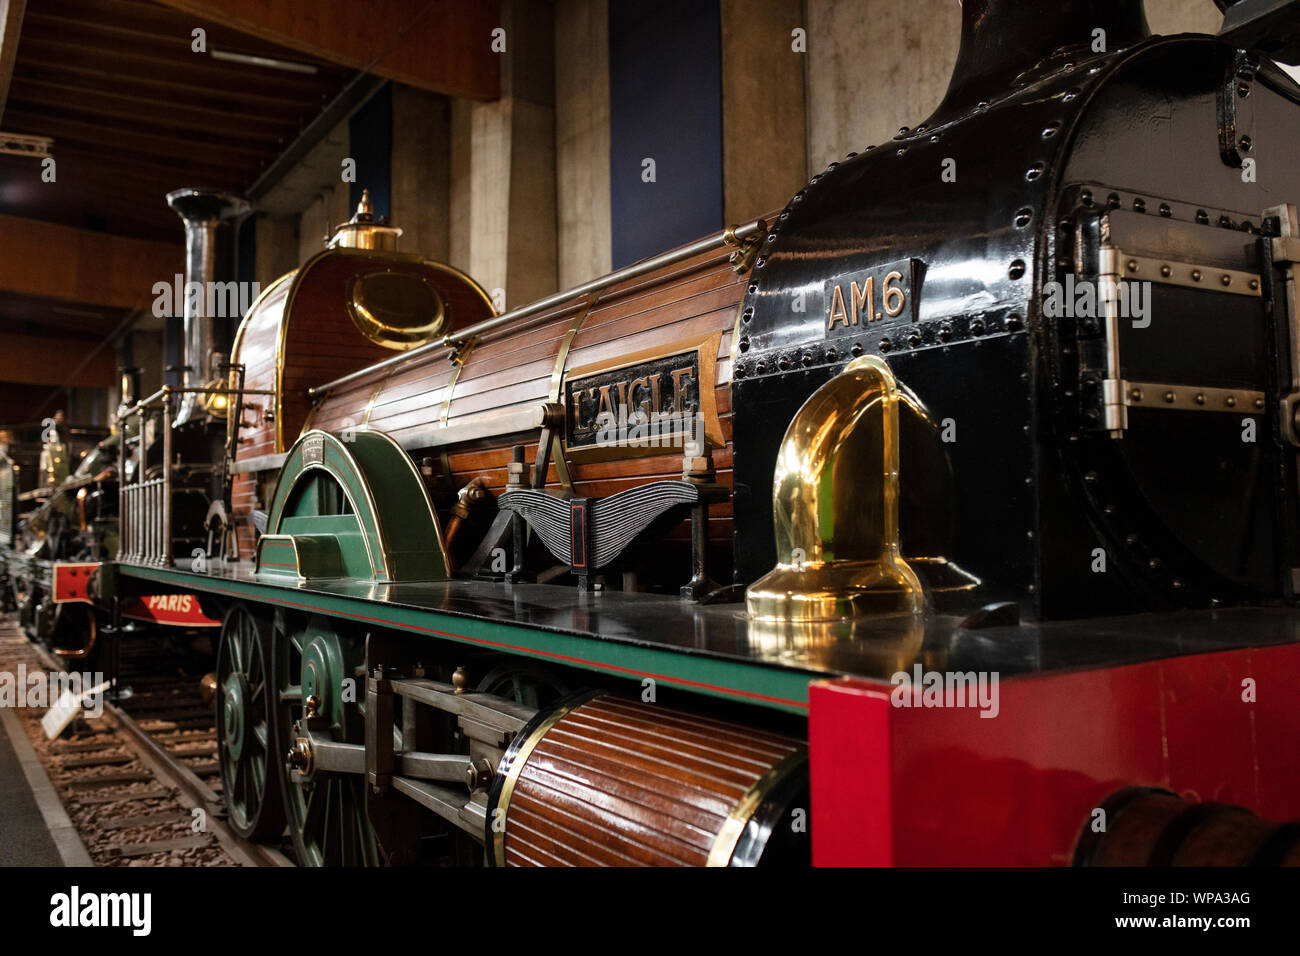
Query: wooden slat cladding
{"x": 320, "y": 341}
{"x": 300, "y": 334}
{"x": 243, "y": 497}
{"x": 303, "y": 326}
{"x": 512, "y": 369}
{"x": 257, "y": 346}
{"x": 618, "y": 783}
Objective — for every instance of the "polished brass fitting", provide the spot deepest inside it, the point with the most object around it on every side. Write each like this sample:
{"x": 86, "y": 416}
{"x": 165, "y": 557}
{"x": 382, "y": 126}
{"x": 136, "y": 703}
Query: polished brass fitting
{"x": 835, "y": 500}
{"x": 300, "y": 756}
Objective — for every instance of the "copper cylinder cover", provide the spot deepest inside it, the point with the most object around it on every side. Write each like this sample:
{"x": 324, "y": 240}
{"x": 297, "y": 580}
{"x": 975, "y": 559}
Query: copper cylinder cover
{"x": 606, "y": 781}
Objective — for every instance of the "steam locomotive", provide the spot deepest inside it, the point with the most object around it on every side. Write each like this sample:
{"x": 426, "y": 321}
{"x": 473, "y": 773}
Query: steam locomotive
{"x": 932, "y": 519}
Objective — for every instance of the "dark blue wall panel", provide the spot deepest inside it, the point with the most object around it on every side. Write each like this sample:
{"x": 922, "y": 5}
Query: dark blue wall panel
{"x": 665, "y": 91}
{"x": 370, "y": 137}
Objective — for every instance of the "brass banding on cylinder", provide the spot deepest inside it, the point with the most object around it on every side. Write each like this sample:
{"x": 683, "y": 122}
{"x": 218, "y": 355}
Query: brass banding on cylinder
{"x": 606, "y": 781}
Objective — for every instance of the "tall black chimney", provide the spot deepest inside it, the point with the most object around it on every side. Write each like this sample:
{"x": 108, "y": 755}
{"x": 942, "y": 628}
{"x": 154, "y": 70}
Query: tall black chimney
{"x": 1000, "y": 39}
{"x": 211, "y": 226}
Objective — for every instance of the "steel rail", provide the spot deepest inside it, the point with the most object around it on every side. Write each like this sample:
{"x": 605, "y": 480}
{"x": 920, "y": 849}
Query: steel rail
{"x": 171, "y": 772}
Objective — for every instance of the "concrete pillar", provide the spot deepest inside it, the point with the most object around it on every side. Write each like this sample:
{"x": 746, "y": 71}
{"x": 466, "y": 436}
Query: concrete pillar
{"x": 511, "y": 233}
{"x": 421, "y": 171}
{"x": 872, "y": 67}
{"x": 582, "y": 140}
{"x": 460, "y": 221}
{"x": 147, "y": 354}
{"x": 1183, "y": 16}
{"x": 763, "y": 112}
{"x": 331, "y": 206}
{"x": 275, "y": 247}
{"x": 877, "y": 65}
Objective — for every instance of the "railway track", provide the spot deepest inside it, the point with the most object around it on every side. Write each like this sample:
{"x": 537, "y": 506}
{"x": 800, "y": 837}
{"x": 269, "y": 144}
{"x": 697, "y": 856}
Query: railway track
{"x": 141, "y": 782}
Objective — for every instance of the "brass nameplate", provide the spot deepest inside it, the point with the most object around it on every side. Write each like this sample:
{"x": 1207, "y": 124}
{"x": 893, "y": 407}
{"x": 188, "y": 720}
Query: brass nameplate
{"x": 882, "y": 294}
{"x": 313, "y": 450}
{"x": 646, "y": 403}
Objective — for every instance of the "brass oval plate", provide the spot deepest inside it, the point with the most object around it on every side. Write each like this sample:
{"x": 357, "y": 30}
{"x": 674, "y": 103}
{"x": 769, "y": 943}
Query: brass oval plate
{"x": 396, "y": 310}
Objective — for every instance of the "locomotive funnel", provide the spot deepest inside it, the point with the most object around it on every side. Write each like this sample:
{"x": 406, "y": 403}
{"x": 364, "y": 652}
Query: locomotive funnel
{"x": 1001, "y": 39}
{"x": 211, "y": 226}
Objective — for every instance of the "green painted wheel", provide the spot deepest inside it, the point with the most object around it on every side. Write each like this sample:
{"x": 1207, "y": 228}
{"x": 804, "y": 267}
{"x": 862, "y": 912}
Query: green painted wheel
{"x": 525, "y": 683}
{"x": 326, "y": 811}
{"x": 250, "y": 793}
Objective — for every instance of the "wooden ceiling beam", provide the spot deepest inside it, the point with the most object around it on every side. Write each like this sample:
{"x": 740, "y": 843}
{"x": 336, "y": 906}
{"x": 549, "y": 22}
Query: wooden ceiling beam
{"x": 183, "y": 171}
{"x": 48, "y": 324}
{"x": 11, "y": 24}
{"x": 48, "y": 321}
{"x": 134, "y": 61}
{"x": 158, "y": 25}
{"x": 47, "y": 360}
{"x": 24, "y": 99}
{"x": 84, "y": 169}
{"x": 114, "y": 102}
{"x": 136, "y": 212}
{"x": 438, "y": 45}
{"x": 166, "y": 88}
{"x": 77, "y": 265}
{"x": 237, "y": 152}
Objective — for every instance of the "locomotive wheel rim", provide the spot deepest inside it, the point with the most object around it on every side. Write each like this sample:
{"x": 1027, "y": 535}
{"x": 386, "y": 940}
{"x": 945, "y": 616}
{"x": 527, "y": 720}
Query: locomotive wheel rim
{"x": 326, "y": 812}
{"x": 251, "y": 794}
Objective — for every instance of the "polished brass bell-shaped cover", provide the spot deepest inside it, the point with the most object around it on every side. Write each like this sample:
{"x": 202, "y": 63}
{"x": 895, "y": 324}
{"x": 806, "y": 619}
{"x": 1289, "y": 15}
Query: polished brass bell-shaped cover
{"x": 836, "y": 504}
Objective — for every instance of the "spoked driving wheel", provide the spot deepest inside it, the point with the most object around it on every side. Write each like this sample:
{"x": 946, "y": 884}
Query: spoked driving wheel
{"x": 319, "y": 676}
{"x": 250, "y": 787}
{"x": 525, "y": 683}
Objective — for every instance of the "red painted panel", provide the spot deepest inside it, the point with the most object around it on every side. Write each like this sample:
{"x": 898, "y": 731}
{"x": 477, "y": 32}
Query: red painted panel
{"x": 945, "y": 786}
{"x": 848, "y": 733}
{"x": 173, "y": 610}
{"x": 72, "y": 581}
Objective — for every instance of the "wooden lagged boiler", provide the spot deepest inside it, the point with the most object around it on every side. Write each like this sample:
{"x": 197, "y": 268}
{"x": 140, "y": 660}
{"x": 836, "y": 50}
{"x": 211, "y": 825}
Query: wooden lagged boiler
{"x": 621, "y": 376}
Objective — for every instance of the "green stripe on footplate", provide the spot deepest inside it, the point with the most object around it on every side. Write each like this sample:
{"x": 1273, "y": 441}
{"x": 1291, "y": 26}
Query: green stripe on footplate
{"x": 729, "y": 679}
